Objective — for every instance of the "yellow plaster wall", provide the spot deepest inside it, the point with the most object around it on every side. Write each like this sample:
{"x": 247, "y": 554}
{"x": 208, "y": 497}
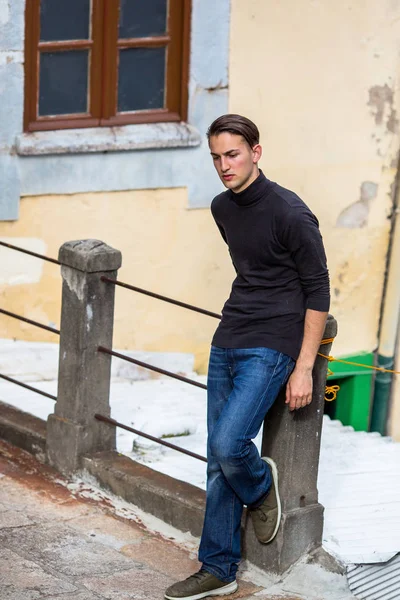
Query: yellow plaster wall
{"x": 319, "y": 78}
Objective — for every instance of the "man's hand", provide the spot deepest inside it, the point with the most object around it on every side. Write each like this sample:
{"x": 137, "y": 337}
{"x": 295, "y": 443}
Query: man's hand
{"x": 300, "y": 384}
{"x": 299, "y": 388}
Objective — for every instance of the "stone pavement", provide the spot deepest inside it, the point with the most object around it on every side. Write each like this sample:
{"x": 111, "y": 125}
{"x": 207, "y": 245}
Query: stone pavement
{"x": 57, "y": 546}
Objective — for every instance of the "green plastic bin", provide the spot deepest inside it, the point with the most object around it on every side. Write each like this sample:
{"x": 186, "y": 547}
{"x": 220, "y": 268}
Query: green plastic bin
{"x": 354, "y": 399}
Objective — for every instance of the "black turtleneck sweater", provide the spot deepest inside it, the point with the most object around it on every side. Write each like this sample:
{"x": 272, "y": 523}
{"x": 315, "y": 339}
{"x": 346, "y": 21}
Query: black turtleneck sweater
{"x": 278, "y": 254}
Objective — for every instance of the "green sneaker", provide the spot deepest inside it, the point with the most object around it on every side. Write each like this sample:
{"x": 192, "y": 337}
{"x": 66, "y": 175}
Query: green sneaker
{"x": 198, "y": 586}
{"x": 267, "y": 517}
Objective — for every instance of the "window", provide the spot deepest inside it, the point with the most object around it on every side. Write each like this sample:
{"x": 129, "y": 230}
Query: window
{"x": 95, "y": 63}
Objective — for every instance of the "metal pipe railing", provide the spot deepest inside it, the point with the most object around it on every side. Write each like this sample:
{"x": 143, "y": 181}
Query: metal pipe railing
{"x": 149, "y": 437}
{"x": 160, "y": 297}
{"x": 35, "y": 254}
{"x": 35, "y": 323}
{"x": 28, "y": 387}
{"x": 151, "y": 367}
{"x": 113, "y": 353}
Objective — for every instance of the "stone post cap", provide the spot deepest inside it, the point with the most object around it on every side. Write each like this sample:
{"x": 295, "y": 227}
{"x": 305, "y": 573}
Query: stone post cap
{"x": 331, "y": 327}
{"x": 90, "y": 256}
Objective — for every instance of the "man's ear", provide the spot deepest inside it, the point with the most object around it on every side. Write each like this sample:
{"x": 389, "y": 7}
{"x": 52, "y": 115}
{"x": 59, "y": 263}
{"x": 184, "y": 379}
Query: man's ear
{"x": 257, "y": 153}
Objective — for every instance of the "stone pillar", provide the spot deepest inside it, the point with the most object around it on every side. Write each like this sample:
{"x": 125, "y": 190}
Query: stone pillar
{"x": 87, "y": 318}
{"x": 293, "y": 440}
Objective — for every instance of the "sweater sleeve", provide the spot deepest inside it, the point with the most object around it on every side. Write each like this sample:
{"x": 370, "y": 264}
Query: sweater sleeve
{"x": 222, "y": 232}
{"x": 301, "y": 236}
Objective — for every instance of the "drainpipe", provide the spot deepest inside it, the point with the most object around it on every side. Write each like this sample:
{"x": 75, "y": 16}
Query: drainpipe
{"x": 394, "y": 413}
{"x": 389, "y": 325}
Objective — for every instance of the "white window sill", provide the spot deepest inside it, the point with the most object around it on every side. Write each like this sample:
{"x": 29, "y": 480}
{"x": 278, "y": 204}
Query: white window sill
{"x": 108, "y": 139}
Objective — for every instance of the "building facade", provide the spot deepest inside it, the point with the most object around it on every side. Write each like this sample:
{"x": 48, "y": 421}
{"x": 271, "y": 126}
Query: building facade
{"x": 320, "y": 80}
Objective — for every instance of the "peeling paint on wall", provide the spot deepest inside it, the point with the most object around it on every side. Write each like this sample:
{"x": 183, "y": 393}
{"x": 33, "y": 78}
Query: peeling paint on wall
{"x": 392, "y": 122}
{"x": 381, "y": 99}
{"x": 6, "y": 58}
{"x": 356, "y": 215}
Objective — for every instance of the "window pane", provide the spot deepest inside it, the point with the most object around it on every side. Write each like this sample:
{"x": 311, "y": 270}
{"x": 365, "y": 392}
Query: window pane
{"x": 64, "y": 20}
{"x": 63, "y": 82}
{"x": 142, "y": 18}
{"x": 141, "y": 83}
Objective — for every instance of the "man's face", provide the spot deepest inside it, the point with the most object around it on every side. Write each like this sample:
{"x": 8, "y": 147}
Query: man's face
{"x": 234, "y": 160}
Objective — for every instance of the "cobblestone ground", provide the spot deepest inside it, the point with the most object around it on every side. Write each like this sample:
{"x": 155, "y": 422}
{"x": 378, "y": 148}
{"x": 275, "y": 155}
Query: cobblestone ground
{"x": 56, "y": 546}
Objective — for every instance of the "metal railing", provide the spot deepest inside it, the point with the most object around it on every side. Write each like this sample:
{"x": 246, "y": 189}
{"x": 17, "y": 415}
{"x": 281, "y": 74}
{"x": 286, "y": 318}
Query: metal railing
{"x": 25, "y": 320}
{"x": 163, "y": 298}
{"x": 28, "y": 387}
{"x": 114, "y": 353}
{"x": 35, "y": 254}
{"x": 151, "y": 367}
{"x": 149, "y": 437}
{"x": 31, "y": 322}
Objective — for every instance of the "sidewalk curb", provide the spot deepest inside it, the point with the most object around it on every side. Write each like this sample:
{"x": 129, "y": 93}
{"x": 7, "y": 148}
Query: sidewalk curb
{"x": 23, "y": 430}
{"x": 175, "y": 502}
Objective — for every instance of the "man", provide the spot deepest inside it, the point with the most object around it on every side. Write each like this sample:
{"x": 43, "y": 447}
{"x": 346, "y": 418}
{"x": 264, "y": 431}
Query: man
{"x": 271, "y": 329}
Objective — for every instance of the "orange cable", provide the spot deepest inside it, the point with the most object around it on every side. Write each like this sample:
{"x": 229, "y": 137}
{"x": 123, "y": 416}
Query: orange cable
{"x": 347, "y": 362}
{"x": 332, "y": 390}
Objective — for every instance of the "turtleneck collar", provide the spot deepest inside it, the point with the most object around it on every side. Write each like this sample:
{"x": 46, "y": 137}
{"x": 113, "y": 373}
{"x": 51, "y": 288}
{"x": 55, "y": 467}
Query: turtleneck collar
{"x": 253, "y": 193}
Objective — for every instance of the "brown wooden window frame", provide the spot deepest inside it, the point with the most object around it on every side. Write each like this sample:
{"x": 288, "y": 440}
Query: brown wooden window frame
{"x": 103, "y": 68}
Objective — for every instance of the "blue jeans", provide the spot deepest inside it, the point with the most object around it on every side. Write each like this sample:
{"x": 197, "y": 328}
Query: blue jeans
{"x": 242, "y": 386}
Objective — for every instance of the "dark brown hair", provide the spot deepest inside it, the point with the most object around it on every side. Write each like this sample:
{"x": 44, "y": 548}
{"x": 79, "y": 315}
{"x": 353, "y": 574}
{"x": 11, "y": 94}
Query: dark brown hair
{"x": 237, "y": 125}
